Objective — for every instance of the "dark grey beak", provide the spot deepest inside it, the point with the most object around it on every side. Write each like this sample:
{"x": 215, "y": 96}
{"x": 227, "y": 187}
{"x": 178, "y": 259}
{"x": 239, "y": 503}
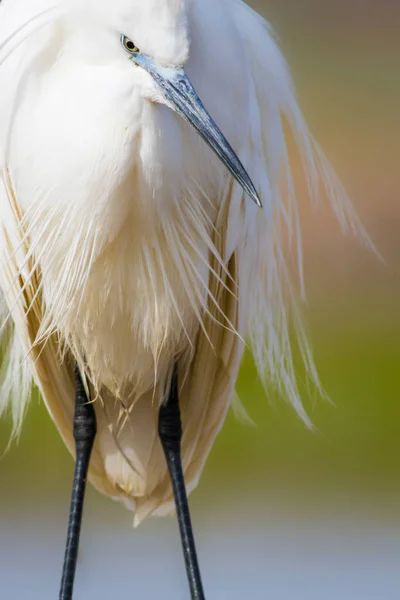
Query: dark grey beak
{"x": 182, "y": 97}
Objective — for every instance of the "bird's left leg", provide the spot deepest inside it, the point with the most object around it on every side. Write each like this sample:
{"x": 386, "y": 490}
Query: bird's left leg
{"x": 170, "y": 432}
{"x": 84, "y": 434}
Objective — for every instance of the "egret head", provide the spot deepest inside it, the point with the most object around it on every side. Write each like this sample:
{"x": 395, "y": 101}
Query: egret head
{"x": 179, "y": 94}
{"x": 154, "y": 36}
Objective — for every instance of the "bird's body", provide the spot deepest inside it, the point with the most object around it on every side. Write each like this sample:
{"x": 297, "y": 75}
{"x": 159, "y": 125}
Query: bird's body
{"x": 125, "y": 244}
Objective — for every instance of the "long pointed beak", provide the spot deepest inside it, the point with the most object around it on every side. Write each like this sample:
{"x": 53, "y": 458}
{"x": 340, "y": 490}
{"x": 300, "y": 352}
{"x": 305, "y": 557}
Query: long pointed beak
{"x": 182, "y": 98}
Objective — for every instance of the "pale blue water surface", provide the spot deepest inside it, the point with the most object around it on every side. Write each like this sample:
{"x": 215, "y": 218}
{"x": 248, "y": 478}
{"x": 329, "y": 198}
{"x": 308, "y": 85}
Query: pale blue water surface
{"x": 264, "y": 555}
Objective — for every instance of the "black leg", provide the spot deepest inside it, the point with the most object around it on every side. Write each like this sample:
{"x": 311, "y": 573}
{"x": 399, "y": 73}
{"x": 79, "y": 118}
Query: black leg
{"x": 170, "y": 431}
{"x": 84, "y": 435}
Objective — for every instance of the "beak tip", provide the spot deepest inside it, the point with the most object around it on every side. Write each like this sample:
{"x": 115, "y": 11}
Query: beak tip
{"x": 255, "y": 197}
{"x": 258, "y": 201}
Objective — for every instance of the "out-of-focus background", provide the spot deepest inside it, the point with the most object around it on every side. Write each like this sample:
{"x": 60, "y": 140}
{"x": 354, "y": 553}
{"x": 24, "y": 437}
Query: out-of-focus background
{"x": 281, "y": 512}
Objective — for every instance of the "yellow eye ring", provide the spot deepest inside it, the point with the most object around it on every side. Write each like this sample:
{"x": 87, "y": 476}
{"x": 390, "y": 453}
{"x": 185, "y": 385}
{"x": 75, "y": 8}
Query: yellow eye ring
{"x": 129, "y": 45}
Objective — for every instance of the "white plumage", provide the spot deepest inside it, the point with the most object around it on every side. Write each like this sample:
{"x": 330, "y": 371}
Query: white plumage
{"x": 124, "y": 243}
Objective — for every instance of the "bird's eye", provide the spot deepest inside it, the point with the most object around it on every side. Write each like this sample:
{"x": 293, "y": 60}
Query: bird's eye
{"x": 129, "y": 45}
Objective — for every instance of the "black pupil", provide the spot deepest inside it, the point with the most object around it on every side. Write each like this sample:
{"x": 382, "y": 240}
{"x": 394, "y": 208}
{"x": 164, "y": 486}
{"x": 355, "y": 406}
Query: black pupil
{"x": 130, "y": 45}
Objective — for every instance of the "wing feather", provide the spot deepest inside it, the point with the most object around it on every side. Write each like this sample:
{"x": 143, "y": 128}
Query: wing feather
{"x": 206, "y": 389}
{"x": 53, "y": 377}
{"x": 268, "y": 293}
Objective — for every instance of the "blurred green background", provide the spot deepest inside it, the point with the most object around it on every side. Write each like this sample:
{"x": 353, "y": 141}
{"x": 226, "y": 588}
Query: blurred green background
{"x": 282, "y": 512}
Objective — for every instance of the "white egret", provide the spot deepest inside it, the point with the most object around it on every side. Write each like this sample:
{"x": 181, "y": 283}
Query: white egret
{"x": 136, "y": 251}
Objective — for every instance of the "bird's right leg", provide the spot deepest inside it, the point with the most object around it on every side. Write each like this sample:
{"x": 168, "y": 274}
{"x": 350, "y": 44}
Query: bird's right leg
{"x": 170, "y": 432}
{"x": 84, "y": 434}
